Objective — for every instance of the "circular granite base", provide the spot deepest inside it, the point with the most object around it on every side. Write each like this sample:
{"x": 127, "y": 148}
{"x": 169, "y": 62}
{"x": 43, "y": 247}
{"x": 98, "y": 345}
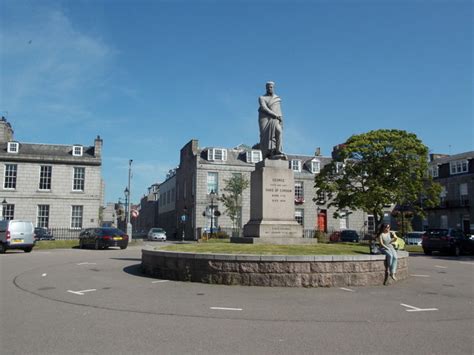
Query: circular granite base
{"x": 274, "y": 270}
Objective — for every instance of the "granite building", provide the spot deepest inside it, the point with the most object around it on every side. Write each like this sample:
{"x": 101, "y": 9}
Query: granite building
{"x": 186, "y": 202}
{"x": 455, "y": 173}
{"x": 54, "y": 186}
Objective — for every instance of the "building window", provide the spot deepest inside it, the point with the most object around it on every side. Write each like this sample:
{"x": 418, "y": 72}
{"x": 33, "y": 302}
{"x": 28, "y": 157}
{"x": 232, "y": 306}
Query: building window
{"x": 299, "y": 192}
{"x": 296, "y": 165}
{"x": 173, "y": 192}
{"x": 463, "y": 194}
{"x": 434, "y": 171}
{"x": 315, "y": 166}
{"x": 217, "y": 154}
{"x": 13, "y": 147}
{"x": 45, "y": 177}
{"x": 77, "y": 216}
{"x": 370, "y": 224}
{"x": 212, "y": 184}
{"x": 77, "y": 150}
{"x": 9, "y": 212}
{"x": 442, "y": 196}
{"x": 43, "y": 216}
{"x": 79, "y": 179}
{"x": 321, "y": 197}
{"x": 339, "y": 167}
{"x": 299, "y": 216}
{"x": 10, "y": 176}
{"x": 254, "y": 156}
{"x": 458, "y": 167}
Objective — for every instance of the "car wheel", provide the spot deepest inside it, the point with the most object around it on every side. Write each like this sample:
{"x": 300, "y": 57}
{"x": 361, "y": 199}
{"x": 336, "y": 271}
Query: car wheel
{"x": 96, "y": 245}
{"x": 81, "y": 244}
{"x": 123, "y": 247}
{"x": 2, "y": 248}
{"x": 427, "y": 251}
{"x": 28, "y": 250}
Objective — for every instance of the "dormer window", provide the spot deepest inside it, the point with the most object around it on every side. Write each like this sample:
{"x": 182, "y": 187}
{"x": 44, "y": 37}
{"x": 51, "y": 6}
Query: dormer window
{"x": 217, "y": 154}
{"x": 13, "y": 147}
{"x": 458, "y": 167}
{"x": 315, "y": 166}
{"x": 254, "y": 156}
{"x": 434, "y": 171}
{"x": 77, "y": 150}
{"x": 296, "y": 165}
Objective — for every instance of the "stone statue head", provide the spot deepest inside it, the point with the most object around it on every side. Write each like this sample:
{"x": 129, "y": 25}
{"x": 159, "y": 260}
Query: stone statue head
{"x": 269, "y": 86}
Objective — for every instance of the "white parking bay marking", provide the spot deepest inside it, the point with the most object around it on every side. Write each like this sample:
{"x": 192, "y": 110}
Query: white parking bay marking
{"x": 155, "y": 282}
{"x": 86, "y": 263}
{"x": 346, "y": 289}
{"x": 81, "y": 293}
{"x": 441, "y": 267}
{"x": 466, "y": 263}
{"x": 415, "y": 275}
{"x": 226, "y": 308}
{"x": 44, "y": 275}
{"x": 416, "y": 309}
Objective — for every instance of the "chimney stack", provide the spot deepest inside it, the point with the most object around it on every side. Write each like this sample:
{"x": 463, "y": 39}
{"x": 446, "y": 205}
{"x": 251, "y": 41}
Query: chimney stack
{"x": 98, "y": 147}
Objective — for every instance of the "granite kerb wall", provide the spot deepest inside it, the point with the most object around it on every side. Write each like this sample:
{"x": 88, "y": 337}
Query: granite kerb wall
{"x": 271, "y": 270}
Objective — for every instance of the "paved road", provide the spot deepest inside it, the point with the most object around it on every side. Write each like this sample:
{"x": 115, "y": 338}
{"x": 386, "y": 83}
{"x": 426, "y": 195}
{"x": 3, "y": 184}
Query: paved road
{"x": 97, "y": 302}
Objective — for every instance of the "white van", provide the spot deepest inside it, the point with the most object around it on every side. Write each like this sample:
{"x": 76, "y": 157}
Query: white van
{"x": 16, "y": 234}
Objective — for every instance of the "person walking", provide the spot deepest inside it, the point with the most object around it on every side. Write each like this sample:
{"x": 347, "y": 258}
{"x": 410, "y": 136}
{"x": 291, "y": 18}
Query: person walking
{"x": 386, "y": 238}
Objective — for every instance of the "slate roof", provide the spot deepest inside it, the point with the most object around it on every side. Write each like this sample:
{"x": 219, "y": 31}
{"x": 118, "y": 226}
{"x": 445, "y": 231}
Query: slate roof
{"x": 460, "y": 156}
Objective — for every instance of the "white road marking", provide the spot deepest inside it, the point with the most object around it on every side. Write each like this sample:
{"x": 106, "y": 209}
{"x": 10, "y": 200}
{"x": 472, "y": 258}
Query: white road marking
{"x": 346, "y": 289}
{"x": 226, "y": 309}
{"x": 86, "y": 263}
{"x": 44, "y": 275}
{"x": 441, "y": 267}
{"x": 81, "y": 293}
{"x": 415, "y": 275}
{"x": 466, "y": 262}
{"x": 416, "y": 309}
{"x": 154, "y": 282}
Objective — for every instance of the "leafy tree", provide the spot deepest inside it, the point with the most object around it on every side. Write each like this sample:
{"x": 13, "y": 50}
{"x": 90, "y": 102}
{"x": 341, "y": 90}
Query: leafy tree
{"x": 373, "y": 170}
{"x": 233, "y": 199}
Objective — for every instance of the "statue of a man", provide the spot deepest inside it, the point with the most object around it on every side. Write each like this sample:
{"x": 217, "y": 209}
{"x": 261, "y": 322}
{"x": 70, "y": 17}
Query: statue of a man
{"x": 270, "y": 121}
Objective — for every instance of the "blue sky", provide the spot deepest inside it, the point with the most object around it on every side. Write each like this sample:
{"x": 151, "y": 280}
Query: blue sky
{"x": 148, "y": 76}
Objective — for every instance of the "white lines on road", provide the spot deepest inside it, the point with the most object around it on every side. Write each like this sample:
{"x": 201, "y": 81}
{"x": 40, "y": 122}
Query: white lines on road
{"x": 81, "y": 293}
{"x": 86, "y": 263}
{"x": 466, "y": 263}
{"x": 346, "y": 289}
{"x": 43, "y": 275}
{"x": 416, "y": 309}
{"x": 157, "y": 281}
{"x": 415, "y": 275}
{"x": 226, "y": 309}
{"x": 441, "y": 267}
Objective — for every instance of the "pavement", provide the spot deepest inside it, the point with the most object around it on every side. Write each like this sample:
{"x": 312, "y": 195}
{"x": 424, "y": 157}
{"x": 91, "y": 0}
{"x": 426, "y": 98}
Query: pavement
{"x": 75, "y": 301}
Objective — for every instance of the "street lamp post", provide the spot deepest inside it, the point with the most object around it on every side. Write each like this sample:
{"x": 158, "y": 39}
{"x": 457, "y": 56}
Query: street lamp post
{"x": 129, "y": 224}
{"x": 127, "y": 216}
{"x": 212, "y": 195}
{"x": 183, "y": 222}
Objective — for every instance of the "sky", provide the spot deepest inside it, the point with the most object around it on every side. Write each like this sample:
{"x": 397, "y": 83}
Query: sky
{"x": 148, "y": 76}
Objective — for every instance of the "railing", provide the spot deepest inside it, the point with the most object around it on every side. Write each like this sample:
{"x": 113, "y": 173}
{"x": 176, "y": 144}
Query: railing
{"x": 65, "y": 233}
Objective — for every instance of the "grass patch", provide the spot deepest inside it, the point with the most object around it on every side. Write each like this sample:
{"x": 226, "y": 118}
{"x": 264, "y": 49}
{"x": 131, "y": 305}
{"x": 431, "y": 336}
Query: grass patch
{"x": 414, "y": 248}
{"x": 56, "y": 244}
{"x": 224, "y": 247}
{"x": 65, "y": 244}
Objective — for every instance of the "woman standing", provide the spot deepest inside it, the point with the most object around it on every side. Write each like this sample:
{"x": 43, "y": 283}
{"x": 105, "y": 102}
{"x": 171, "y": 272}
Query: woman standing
{"x": 385, "y": 240}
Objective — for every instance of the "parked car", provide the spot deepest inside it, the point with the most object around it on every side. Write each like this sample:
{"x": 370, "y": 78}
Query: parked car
{"x": 157, "y": 234}
{"x": 335, "y": 237}
{"x": 42, "y": 233}
{"x": 16, "y": 234}
{"x": 414, "y": 238}
{"x": 349, "y": 235}
{"x": 447, "y": 240}
{"x": 102, "y": 238}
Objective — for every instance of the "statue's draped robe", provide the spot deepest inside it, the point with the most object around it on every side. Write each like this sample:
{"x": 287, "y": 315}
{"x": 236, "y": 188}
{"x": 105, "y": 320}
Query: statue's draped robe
{"x": 270, "y": 127}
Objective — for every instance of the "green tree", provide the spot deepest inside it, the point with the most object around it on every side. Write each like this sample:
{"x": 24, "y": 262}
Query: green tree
{"x": 373, "y": 170}
{"x": 234, "y": 187}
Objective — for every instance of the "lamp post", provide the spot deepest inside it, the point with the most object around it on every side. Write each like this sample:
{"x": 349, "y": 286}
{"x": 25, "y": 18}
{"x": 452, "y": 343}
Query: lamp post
{"x": 4, "y": 206}
{"x": 212, "y": 195}
{"x": 129, "y": 224}
{"x": 127, "y": 216}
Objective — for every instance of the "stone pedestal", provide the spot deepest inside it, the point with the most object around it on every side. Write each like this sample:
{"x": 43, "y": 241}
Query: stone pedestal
{"x": 272, "y": 206}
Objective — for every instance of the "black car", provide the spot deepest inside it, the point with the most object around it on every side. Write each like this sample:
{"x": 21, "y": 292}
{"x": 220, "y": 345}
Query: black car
{"x": 102, "y": 238}
{"x": 447, "y": 240}
{"x": 42, "y": 233}
{"x": 349, "y": 235}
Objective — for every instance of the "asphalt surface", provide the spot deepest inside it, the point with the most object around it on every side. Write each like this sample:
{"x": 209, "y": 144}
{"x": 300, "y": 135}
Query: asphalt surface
{"x": 97, "y": 302}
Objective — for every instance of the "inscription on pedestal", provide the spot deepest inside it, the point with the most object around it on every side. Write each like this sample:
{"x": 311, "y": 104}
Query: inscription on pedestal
{"x": 279, "y": 191}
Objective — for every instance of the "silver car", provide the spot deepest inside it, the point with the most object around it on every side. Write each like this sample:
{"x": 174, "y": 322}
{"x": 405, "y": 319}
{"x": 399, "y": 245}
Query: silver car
{"x": 414, "y": 238}
{"x": 157, "y": 234}
{"x": 16, "y": 234}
